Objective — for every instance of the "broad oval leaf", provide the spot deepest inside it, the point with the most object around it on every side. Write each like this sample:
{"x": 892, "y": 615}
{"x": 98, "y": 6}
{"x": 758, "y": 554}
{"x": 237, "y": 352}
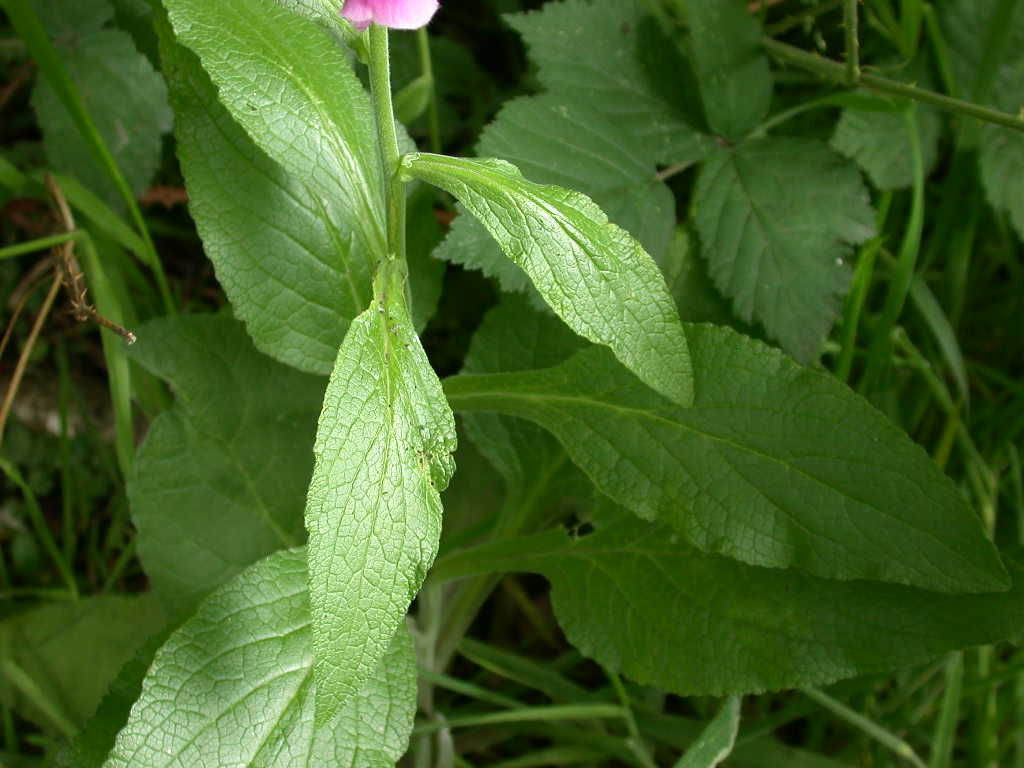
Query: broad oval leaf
{"x": 774, "y": 464}
{"x": 777, "y": 218}
{"x": 637, "y": 599}
{"x": 383, "y": 453}
{"x": 219, "y": 481}
{"x": 288, "y": 83}
{"x": 593, "y": 274}
{"x": 234, "y": 686}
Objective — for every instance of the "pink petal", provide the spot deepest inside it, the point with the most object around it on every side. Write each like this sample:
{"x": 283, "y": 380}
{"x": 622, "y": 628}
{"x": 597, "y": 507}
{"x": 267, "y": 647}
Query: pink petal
{"x": 399, "y": 14}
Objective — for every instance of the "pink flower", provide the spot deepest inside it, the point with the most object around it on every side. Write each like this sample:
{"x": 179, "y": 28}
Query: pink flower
{"x": 400, "y": 14}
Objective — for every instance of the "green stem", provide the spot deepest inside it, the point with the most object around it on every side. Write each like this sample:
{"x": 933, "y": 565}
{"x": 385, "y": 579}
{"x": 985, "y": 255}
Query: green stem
{"x": 427, "y": 68}
{"x": 852, "y": 42}
{"x": 380, "y": 89}
{"x": 835, "y": 70}
{"x": 526, "y": 715}
{"x": 797, "y": 19}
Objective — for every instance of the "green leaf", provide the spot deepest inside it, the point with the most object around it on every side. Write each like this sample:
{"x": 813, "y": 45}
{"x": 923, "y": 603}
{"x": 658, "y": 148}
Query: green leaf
{"x": 283, "y": 252}
{"x": 1001, "y": 154}
{"x": 536, "y": 470}
{"x": 221, "y": 478}
{"x": 594, "y": 53}
{"x": 595, "y": 276}
{"x": 717, "y": 740}
{"x": 234, "y": 686}
{"x": 777, "y": 218}
{"x": 92, "y": 745}
{"x": 732, "y": 70}
{"x": 286, "y": 81}
{"x": 639, "y": 601}
{"x": 383, "y": 453}
{"x": 564, "y": 141}
{"x": 872, "y": 131}
{"x": 774, "y": 464}
{"x": 72, "y": 650}
{"x": 127, "y": 100}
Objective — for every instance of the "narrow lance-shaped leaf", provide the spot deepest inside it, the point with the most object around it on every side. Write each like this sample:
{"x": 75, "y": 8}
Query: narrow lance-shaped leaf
{"x": 717, "y": 740}
{"x": 288, "y": 83}
{"x": 283, "y": 253}
{"x": 774, "y": 464}
{"x": 636, "y": 598}
{"x": 593, "y": 274}
{"x": 374, "y": 512}
{"x": 234, "y": 686}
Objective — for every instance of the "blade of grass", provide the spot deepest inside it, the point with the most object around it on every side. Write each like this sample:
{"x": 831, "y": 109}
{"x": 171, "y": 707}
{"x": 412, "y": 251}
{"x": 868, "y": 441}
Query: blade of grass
{"x": 118, "y": 369}
{"x": 42, "y": 531}
{"x": 938, "y": 323}
{"x": 522, "y": 670}
{"x": 31, "y": 691}
{"x": 528, "y": 714}
{"x": 871, "y": 729}
{"x": 32, "y": 246}
{"x": 902, "y": 277}
{"x": 949, "y": 716}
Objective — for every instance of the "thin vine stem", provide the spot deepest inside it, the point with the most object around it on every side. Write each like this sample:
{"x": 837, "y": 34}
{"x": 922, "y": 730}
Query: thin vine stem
{"x": 837, "y": 71}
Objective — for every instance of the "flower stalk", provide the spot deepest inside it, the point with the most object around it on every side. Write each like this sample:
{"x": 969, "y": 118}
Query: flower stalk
{"x": 380, "y": 89}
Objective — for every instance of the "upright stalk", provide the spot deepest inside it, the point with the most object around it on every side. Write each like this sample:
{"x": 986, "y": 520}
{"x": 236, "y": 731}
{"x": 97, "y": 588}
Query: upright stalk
{"x": 380, "y": 90}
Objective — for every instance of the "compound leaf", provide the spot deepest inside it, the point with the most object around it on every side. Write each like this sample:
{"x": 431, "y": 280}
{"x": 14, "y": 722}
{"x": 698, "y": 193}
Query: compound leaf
{"x": 774, "y": 464}
{"x": 221, "y": 478}
{"x": 777, "y": 218}
{"x": 234, "y": 686}
{"x": 593, "y": 274}
{"x": 383, "y": 453}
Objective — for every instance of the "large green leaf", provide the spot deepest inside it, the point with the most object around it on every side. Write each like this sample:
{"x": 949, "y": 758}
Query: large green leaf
{"x": 290, "y": 86}
{"x": 119, "y": 88}
{"x": 595, "y": 276}
{"x": 383, "y": 452}
{"x": 234, "y": 686}
{"x": 733, "y": 74}
{"x": 600, "y": 53}
{"x": 777, "y": 219}
{"x": 564, "y": 141}
{"x": 71, "y": 651}
{"x": 774, "y": 464}
{"x": 637, "y": 599}
{"x": 221, "y": 478}
{"x": 288, "y": 264}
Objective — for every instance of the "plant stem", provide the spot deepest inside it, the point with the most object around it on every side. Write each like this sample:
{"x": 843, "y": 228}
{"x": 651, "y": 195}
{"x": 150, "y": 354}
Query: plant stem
{"x": 427, "y": 69}
{"x": 852, "y": 42}
{"x": 835, "y": 70}
{"x": 40, "y": 244}
{"x": 380, "y": 89}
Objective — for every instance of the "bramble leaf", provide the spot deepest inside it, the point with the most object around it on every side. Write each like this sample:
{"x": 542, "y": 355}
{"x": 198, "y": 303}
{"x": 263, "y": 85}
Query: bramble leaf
{"x": 383, "y": 453}
{"x": 777, "y": 219}
{"x": 234, "y": 686}
{"x": 733, "y": 75}
{"x": 634, "y": 597}
{"x": 594, "y": 53}
{"x": 773, "y": 465}
{"x": 593, "y": 274}
{"x": 221, "y": 478}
